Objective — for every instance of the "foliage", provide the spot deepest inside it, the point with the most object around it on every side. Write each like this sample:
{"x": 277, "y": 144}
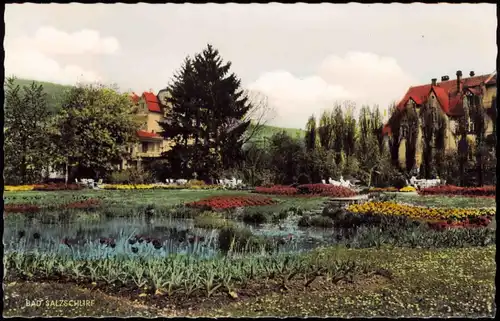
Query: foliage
{"x": 285, "y": 159}
{"x": 96, "y": 126}
{"x": 26, "y": 129}
{"x": 211, "y": 220}
{"x": 310, "y": 138}
{"x": 131, "y": 175}
{"x": 207, "y": 108}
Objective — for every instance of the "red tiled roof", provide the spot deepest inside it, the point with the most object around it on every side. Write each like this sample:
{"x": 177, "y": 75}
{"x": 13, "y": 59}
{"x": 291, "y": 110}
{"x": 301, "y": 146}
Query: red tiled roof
{"x": 419, "y": 94}
{"x": 152, "y": 102}
{"x": 134, "y": 98}
{"x": 145, "y": 134}
{"x": 442, "y": 97}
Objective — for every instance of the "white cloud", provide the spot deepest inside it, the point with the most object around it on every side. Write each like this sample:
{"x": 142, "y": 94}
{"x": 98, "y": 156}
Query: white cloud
{"x": 31, "y": 57}
{"x": 52, "y": 41}
{"x": 34, "y": 65}
{"x": 364, "y": 78}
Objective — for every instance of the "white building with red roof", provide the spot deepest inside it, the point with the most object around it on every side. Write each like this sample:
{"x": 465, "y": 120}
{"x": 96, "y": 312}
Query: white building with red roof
{"x": 447, "y": 97}
{"x": 151, "y": 143}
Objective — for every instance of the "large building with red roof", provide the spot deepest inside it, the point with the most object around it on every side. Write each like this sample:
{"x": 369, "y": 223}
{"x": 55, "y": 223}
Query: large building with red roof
{"x": 151, "y": 143}
{"x": 448, "y": 96}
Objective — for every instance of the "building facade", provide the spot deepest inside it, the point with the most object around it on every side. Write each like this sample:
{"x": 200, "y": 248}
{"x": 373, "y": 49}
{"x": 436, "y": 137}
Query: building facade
{"x": 150, "y": 143}
{"x": 448, "y": 98}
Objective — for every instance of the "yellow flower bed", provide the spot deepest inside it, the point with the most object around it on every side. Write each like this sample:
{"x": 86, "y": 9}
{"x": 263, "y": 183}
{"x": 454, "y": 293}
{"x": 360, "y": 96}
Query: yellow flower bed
{"x": 19, "y": 188}
{"x": 154, "y": 186}
{"x": 389, "y": 208}
{"x": 408, "y": 189}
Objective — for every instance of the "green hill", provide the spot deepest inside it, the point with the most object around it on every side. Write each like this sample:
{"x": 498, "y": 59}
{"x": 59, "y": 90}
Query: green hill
{"x": 55, "y": 93}
{"x": 267, "y": 131}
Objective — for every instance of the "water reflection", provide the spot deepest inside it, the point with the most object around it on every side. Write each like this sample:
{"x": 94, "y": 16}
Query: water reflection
{"x": 146, "y": 237}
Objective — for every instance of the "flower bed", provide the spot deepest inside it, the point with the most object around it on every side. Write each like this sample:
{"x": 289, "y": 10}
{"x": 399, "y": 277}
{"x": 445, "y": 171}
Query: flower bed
{"x": 408, "y": 189}
{"x": 277, "y": 190}
{"x": 389, "y": 208}
{"x": 155, "y": 186}
{"x": 227, "y": 202}
{"x": 57, "y": 187}
{"x": 382, "y": 189}
{"x": 486, "y": 191}
{"x": 326, "y": 190}
{"x": 21, "y": 208}
{"x": 30, "y": 208}
{"x": 19, "y": 188}
{"x": 308, "y": 189}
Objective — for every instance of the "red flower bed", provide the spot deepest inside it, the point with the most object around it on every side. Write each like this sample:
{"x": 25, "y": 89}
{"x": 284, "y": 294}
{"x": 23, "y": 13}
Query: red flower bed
{"x": 57, "y": 187}
{"x": 277, "y": 190}
{"x": 21, "y": 208}
{"x": 326, "y": 190}
{"x": 486, "y": 191}
{"x": 476, "y": 222}
{"x": 30, "y": 208}
{"x": 227, "y": 202}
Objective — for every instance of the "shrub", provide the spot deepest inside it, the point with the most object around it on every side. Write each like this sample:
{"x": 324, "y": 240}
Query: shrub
{"x": 131, "y": 176}
{"x": 315, "y": 221}
{"x": 211, "y": 220}
{"x": 241, "y": 239}
{"x": 334, "y": 213}
{"x": 255, "y": 217}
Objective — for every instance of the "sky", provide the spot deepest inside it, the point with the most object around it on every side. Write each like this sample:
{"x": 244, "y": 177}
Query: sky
{"x": 303, "y": 57}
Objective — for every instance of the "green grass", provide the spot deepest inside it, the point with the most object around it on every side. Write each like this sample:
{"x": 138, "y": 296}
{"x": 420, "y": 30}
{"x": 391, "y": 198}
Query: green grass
{"x": 161, "y": 198}
{"x": 449, "y": 282}
{"x": 446, "y": 201}
{"x": 422, "y": 283}
{"x": 267, "y": 132}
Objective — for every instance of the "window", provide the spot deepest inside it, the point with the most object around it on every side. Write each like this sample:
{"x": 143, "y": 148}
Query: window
{"x": 144, "y": 147}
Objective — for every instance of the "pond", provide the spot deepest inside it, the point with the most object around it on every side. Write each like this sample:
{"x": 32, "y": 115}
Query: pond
{"x": 113, "y": 236}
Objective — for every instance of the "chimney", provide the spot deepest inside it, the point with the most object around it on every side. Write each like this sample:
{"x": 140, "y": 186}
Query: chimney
{"x": 472, "y": 74}
{"x": 434, "y": 81}
{"x": 459, "y": 80}
{"x": 445, "y": 78}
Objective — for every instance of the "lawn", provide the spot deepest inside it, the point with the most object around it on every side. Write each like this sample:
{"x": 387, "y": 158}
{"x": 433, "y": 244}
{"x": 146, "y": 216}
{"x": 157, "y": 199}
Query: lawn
{"x": 446, "y": 201}
{"x": 144, "y": 197}
{"x": 416, "y": 282}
